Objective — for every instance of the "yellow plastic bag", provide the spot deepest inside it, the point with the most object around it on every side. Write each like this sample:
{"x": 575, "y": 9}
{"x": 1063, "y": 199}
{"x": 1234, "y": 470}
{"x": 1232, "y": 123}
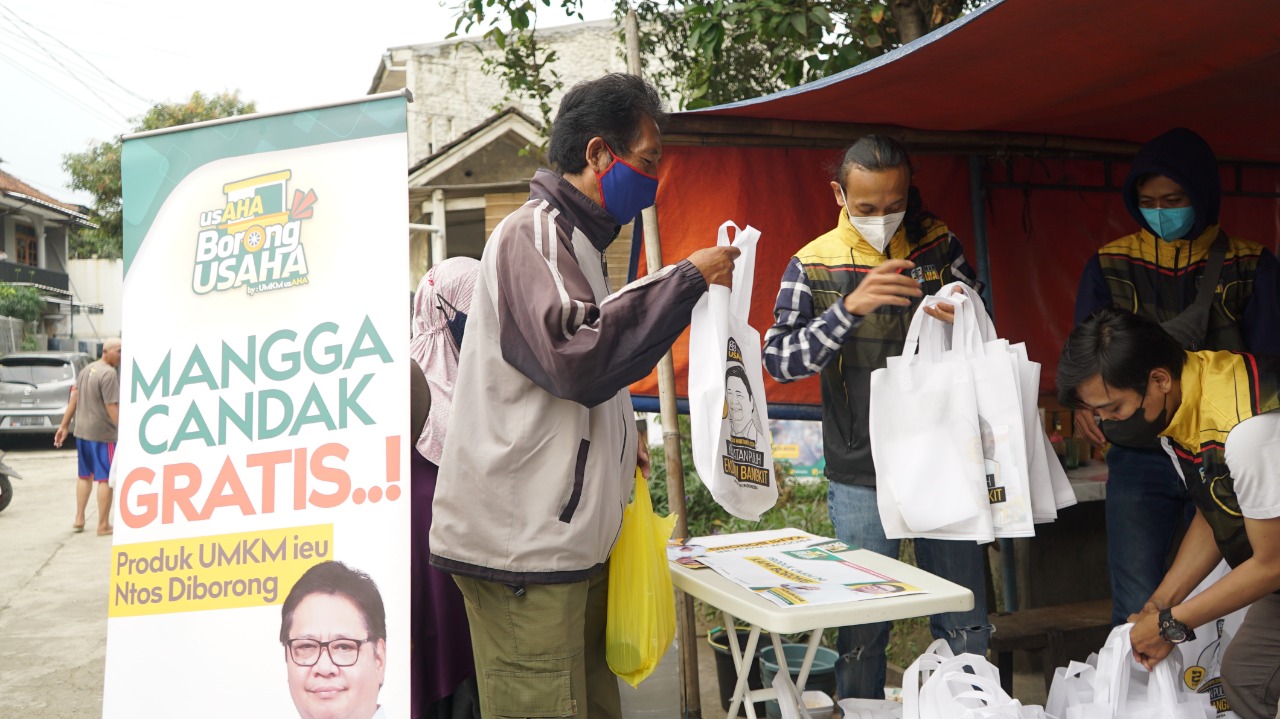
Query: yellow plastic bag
{"x": 642, "y": 615}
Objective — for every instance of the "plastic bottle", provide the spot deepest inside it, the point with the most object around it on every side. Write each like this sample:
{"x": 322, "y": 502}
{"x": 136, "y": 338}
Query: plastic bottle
{"x": 658, "y": 696}
{"x": 1055, "y": 439}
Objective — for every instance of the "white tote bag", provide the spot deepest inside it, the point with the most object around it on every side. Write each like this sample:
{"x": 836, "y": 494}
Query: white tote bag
{"x": 1000, "y": 415}
{"x": 1045, "y": 503}
{"x": 1072, "y": 686}
{"x": 927, "y": 400}
{"x": 1202, "y": 656}
{"x": 727, "y": 409}
{"x": 1124, "y": 690}
{"x": 1049, "y": 488}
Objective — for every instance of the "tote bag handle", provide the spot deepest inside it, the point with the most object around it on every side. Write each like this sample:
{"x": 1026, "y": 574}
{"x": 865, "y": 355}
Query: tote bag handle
{"x": 745, "y": 239}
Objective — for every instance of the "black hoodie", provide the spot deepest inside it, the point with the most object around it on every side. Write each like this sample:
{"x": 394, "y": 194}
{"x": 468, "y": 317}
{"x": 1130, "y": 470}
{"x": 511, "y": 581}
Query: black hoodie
{"x": 1184, "y": 157}
{"x": 1159, "y": 279}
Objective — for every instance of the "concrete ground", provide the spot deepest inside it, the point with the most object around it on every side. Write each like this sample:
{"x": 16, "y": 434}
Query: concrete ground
{"x": 53, "y": 591}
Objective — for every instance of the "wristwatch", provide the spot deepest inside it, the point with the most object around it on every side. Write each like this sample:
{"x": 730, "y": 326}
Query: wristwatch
{"x": 1172, "y": 630}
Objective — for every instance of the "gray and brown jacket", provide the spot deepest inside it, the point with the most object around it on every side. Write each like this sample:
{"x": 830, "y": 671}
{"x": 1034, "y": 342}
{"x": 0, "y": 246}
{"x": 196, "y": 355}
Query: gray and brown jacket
{"x": 540, "y": 452}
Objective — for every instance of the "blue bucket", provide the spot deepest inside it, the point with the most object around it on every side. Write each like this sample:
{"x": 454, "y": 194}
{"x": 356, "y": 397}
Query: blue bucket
{"x": 822, "y": 675}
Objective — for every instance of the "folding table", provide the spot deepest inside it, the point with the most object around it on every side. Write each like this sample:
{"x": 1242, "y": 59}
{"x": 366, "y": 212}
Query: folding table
{"x": 739, "y": 603}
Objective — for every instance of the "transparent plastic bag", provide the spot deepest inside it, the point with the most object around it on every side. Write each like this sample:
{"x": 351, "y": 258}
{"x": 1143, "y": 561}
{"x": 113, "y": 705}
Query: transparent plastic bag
{"x": 642, "y": 616}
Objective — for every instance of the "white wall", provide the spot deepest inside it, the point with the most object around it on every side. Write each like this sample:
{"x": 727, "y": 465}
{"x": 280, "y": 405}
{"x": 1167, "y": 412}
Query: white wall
{"x": 97, "y": 282}
{"x": 453, "y": 94}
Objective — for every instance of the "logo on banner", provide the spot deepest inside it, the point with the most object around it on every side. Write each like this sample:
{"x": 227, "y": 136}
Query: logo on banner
{"x": 742, "y": 460}
{"x": 255, "y": 240}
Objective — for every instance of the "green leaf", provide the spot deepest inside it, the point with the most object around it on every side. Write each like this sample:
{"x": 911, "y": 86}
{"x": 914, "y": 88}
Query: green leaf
{"x": 877, "y": 14}
{"x": 800, "y": 24}
{"x": 821, "y": 16}
{"x": 499, "y": 38}
{"x": 873, "y": 40}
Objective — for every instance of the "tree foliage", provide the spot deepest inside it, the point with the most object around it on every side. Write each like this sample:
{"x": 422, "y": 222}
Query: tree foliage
{"x": 708, "y": 52}
{"x": 21, "y": 302}
{"x": 97, "y": 170}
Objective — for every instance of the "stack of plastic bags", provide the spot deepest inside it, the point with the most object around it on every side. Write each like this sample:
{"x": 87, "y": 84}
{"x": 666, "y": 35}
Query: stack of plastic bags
{"x": 1111, "y": 685}
{"x": 939, "y": 685}
{"x": 956, "y": 435}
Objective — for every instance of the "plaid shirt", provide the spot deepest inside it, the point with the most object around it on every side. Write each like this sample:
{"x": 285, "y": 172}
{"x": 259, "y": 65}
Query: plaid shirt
{"x": 799, "y": 345}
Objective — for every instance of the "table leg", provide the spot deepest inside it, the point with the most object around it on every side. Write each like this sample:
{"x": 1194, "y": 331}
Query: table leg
{"x": 812, "y": 651}
{"x": 741, "y": 662}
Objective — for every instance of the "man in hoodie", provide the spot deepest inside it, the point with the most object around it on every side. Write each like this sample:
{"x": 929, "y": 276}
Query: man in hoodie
{"x": 1166, "y": 272}
{"x": 541, "y": 449}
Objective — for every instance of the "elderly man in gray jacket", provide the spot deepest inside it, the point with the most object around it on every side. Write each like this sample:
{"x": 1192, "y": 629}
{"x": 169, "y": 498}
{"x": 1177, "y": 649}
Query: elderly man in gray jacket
{"x": 542, "y": 443}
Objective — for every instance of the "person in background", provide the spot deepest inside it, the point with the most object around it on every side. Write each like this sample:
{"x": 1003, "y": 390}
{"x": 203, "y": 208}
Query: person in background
{"x": 1210, "y": 291}
{"x": 1216, "y": 414}
{"x": 444, "y": 683}
{"x": 844, "y": 307}
{"x": 535, "y": 473}
{"x": 95, "y": 405}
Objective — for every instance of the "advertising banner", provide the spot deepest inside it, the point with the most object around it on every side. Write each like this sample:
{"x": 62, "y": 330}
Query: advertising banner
{"x": 261, "y": 556}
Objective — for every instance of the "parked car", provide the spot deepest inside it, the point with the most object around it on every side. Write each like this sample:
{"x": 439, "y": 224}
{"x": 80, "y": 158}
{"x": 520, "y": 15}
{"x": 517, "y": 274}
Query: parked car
{"x": 35, "y": 388}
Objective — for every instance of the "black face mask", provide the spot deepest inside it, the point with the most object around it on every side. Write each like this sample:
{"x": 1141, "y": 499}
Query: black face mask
{"x": 455, "y": 320}
{"x": 1136, "y": 431}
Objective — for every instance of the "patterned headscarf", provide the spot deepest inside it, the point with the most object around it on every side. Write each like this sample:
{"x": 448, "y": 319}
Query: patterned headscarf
{"x": 445, "y": 288}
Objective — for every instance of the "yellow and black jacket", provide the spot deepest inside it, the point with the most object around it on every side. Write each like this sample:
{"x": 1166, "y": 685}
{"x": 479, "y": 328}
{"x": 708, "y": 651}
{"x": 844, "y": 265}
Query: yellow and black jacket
{"x": 1219, "y": 391}
{"x": 1158, "y": 279}
{"x": 814, "y": 334}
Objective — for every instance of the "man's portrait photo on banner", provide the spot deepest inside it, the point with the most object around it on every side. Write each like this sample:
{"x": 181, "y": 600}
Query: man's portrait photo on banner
{"x": 334, "y": 630}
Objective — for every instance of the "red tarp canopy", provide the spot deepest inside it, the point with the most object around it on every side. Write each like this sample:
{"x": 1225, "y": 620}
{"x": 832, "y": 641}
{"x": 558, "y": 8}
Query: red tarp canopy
{"x": 1028, "y": 109}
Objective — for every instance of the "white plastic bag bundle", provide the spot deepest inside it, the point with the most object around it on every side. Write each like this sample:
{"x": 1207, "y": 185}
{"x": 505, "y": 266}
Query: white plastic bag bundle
{"x": 1072, "y": 686}
{"x": 941, "y": 686}
{"x": 727, "y": 410}
{"x": 922, "y": 398}
{"x": 1000, "y": 415}
{"x": 926, "y": 398}
{"x": 1122, "y": 688}
{"x": 1048, "y": 488}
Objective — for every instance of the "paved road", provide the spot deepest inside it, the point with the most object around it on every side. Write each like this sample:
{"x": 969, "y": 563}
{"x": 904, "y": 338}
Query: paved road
{"x": 53, "y": 592}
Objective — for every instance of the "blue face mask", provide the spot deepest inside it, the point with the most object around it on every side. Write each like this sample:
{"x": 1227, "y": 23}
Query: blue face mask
{"x": 625, "y": 190}
{"x": 1169, "y": 223}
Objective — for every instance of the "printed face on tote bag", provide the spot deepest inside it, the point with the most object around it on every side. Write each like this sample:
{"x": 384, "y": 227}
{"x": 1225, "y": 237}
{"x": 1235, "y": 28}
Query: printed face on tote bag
{"x": 742, "y": 459}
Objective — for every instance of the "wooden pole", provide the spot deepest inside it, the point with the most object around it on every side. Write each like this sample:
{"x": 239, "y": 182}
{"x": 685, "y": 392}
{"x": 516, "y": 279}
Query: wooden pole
{"x": 690, "y": 688}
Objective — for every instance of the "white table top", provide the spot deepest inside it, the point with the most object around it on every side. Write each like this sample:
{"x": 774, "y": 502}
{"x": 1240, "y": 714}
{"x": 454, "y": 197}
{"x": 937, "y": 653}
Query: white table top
{"x": 1089, "y": 482}
{"x": 743, "y": 604}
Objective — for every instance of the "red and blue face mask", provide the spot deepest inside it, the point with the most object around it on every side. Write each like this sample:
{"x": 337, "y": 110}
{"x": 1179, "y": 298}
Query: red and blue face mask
{"x": 624, "y": 190}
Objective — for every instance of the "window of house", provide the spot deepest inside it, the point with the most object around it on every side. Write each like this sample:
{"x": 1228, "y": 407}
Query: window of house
{"x": 26, "y": 245}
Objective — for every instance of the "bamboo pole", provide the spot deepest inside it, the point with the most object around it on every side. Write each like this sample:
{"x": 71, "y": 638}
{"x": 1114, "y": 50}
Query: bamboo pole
{"x": 690, "y": 689}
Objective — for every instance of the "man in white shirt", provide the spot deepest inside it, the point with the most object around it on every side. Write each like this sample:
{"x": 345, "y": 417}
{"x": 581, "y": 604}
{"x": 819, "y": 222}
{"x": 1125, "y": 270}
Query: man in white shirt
{"x": 1216, "y": 413}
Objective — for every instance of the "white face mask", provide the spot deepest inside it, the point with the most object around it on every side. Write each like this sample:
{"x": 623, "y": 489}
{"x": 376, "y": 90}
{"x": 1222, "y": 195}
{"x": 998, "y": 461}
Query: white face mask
{"x": 877, "y": 231}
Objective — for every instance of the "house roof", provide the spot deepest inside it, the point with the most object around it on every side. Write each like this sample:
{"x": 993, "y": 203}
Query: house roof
{"x": 12, "y": 185}
{"x": 477, "y": 130}
{"x": 16, "y": 189}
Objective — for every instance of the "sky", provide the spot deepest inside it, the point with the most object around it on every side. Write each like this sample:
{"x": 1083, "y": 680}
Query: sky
{"x": 74, "y": 73}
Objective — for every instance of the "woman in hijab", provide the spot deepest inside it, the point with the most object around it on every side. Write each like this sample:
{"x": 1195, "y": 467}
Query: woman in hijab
{"x": 443, "y": 670}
